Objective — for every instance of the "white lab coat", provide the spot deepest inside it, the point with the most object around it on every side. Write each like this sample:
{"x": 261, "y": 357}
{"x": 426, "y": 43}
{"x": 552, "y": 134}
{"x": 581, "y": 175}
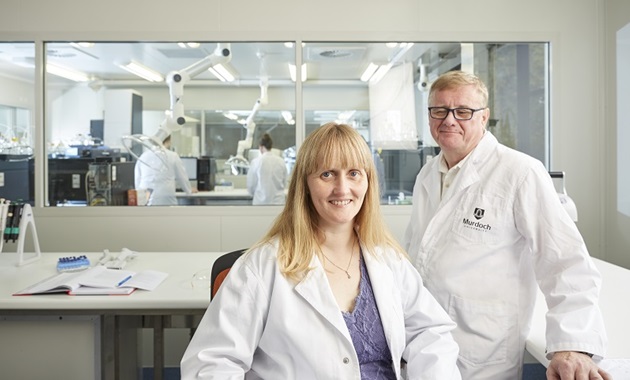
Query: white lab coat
{"x": 262, "y": 326}
{"x": 161, "y": 179}
{"x": 266, "y": 179}
{"x": 483, "y": 270}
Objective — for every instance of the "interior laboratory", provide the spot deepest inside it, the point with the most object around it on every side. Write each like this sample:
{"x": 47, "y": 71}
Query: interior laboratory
{"x": 82, "y": 100}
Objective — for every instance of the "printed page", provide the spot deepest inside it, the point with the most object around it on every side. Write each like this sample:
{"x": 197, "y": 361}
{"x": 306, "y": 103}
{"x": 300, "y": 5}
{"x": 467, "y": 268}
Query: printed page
{"x": 147, "y": 280}
{"x": 102, "y": 277}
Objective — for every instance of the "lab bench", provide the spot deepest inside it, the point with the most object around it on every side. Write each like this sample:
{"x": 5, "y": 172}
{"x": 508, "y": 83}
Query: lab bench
{"x": 236, "y": 197}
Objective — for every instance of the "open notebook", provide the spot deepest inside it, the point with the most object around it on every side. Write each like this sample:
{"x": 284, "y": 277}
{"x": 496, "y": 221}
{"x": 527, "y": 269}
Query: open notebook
{"x": 97, "y": 280}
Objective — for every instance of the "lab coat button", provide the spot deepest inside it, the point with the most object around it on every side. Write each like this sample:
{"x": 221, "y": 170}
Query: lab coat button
{"x": 346, "y": 360}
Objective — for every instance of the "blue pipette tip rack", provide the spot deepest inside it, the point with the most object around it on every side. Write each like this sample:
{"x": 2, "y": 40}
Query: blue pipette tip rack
{"x": 73, "y": 263}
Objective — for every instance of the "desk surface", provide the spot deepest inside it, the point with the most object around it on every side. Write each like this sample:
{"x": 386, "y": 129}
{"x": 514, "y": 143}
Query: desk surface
{"x": 177, "y": 292}
{"x": 615, "y": 309}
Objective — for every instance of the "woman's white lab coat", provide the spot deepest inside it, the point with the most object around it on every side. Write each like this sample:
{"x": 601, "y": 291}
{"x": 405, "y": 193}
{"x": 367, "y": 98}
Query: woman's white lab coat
{"x": 262, "y": 326}
{"x": 161, "y": 177}
{"x": 498, "y": 231}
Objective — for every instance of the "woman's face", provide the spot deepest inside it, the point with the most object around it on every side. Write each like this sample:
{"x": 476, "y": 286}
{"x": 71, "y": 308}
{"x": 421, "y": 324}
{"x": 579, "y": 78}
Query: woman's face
{"x": 337, "y": 194}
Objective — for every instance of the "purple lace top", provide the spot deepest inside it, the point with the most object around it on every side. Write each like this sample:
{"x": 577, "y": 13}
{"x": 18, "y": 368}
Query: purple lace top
{"x": 366, "y": 331}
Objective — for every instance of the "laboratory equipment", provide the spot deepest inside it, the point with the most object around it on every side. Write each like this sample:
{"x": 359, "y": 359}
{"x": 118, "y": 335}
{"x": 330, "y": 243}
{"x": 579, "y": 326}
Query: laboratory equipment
{"x": 206, "y": 173}
{"x": 567, "y": 202}
{"x": 107, "y": 183}
{"x": 174, "y": 117}
{"x": 239, "y": 161}
{"x": 17, "y": 177}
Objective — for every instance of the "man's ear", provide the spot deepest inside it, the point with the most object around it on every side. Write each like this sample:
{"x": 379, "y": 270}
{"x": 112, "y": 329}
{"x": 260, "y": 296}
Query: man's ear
{"x": 486, "y": 117}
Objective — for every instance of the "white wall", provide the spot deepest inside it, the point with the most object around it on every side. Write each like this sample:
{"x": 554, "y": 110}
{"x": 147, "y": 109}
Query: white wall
{"x": 69, "y": 119}
{"x": 17, "y": 93}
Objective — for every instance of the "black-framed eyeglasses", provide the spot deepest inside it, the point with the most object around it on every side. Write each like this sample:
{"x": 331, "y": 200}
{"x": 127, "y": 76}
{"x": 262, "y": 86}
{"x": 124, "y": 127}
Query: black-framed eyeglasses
{"x": 461, "y": 113}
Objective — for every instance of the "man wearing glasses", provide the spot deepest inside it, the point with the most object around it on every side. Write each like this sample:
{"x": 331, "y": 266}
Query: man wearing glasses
{"x": 487, "y": 228}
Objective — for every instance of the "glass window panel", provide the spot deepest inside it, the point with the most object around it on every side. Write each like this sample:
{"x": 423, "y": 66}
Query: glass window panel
{"x": 95, "y": 126}
{"x": 389, "y": 105}
{"x": 17, "y": 129}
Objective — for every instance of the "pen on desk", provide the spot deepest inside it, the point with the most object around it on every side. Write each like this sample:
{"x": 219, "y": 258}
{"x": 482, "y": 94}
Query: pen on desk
{"x": 124, "y": 280}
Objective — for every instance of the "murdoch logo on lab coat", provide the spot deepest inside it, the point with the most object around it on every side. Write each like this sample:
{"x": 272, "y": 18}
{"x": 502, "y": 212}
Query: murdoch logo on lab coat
{"x": 479, "y": 213}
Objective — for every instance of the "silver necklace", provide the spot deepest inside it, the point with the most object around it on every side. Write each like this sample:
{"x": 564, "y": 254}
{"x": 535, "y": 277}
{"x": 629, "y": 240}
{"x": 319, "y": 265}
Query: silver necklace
{"x": 349, "y": 262}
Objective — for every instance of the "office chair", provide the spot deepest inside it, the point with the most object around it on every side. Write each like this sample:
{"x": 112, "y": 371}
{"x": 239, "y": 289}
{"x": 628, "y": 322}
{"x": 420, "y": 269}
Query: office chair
{"x": 220, "y": 269}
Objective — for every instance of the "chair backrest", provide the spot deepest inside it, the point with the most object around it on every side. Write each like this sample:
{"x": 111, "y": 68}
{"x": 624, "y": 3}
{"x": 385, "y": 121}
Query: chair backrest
{"x": 220, "y": 269}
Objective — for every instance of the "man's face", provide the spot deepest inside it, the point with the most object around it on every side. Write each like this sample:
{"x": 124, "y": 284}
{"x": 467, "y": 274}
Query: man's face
{"x": 455, "y": 137}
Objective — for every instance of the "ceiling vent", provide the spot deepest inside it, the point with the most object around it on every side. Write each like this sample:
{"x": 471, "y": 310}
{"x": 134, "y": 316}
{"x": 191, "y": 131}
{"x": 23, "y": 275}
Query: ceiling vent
{"x": 61, "y": 53}
{"x": 328, "y": 53}
{"x": 66, "y": 52}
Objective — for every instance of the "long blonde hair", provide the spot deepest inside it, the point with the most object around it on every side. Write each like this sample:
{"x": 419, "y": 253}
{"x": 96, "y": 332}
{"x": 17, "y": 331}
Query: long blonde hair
{"x": 296, "y": 228}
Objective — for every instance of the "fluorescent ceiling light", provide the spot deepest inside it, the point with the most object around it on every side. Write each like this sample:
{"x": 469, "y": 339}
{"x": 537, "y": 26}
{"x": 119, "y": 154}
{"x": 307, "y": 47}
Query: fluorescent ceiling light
{"x": 185, "y": 45}
{"x": 289, "y": 45}
{"x": 82, "y": 44}
{"x": 369, "y": 71}
{"x": 380, "y": 73}
{"x": 292, "y": 72}
{"x": 222, "y": 73}
{"x": 230, "y": 115}
{"x": 67, "y": 73}
{"x": 143, "y": 71}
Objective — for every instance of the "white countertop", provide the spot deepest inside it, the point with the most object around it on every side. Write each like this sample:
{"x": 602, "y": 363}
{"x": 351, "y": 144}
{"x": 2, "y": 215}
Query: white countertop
{"x": 175, "y": 293}
{"x": 615, "y": 305}
{"x": 241, "y": 193}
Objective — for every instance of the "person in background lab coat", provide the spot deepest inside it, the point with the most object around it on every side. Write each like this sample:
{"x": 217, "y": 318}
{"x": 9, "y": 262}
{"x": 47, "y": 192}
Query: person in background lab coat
{"x": 267, "y": 175}
{"x": 160, "y": 178}
{"x": 486, "y": 229}
{"x": 328, "y": 293}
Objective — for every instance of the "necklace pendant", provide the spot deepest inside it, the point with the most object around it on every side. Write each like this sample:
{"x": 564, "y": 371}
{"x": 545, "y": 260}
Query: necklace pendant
{"x": 348, "y": 274}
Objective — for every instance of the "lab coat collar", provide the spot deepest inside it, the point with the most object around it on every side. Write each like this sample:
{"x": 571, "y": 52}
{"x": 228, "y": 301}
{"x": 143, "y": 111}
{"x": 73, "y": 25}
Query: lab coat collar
{"x": 469, "y": 174}
{"x": 315, "y": 290}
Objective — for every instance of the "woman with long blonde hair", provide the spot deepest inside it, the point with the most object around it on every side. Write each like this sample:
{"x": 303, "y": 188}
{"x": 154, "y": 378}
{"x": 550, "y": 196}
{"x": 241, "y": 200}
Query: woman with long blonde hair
{"x": 327, "y": 293}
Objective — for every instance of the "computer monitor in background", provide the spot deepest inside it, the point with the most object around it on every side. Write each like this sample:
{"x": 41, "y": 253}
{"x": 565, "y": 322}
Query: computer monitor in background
{"x": 190, "y": 164}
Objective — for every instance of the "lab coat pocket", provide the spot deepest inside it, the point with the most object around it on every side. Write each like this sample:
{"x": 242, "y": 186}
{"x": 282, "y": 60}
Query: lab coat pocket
{"x": 481, "y": 218}
{"x": 482, "y": 330}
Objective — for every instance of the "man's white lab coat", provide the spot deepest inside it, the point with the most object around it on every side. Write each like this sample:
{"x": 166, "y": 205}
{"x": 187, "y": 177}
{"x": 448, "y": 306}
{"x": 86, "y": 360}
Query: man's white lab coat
{"x": 161, "y": 177}
{"x": 481, "y": 251}
{"x": 266, "y": 179}
{"x": 262, "y": 326}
